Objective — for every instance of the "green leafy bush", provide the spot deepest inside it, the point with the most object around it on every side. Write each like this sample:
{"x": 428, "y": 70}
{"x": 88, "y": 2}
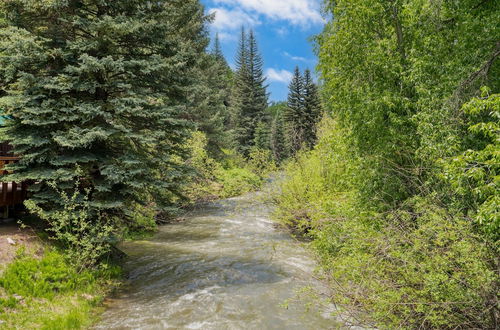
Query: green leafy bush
{"x": 237, "y": 181}
{"x": 86, "y": 236}
{"x": 319, "y": 184}
{"x": 416, "y": 268}
{"x": 261, "y": 162}
{"x": 475, "y": 174}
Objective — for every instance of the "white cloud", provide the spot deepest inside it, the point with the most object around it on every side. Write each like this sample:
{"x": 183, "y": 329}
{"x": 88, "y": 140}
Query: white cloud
{"x": 231, "y": 19}
{"x": 297, "y": 12}
{"x": 282, "y": 31}
{"x": 282, "y": 76}
{"x": 296, "y": 58}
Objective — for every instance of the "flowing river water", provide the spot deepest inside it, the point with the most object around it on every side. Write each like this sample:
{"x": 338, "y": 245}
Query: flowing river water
{"x": 225, "y": 267}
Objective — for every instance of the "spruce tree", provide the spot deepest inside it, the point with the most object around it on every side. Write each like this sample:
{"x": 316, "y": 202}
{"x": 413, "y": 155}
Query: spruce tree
{"x": 95, "y": 89}
{"x": 312, "y": 110}
{"x": 209, "y": 98}
{"x": 262, "y": 136}
{"x": 249, "y": 95}
{"x": 259, "y": 100}
{"x": 294, "y": 115}
{"x": 217, "y": 51}
{"x": 239, "y": 89}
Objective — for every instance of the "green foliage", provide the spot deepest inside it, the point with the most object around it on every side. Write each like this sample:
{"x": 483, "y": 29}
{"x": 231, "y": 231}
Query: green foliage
{"x": 209, "y": 98}
{"x": 261, "y": 162}
{"x": 293, "y": 114}
{"x": 48, "y": 292}
{"x": 7, "y": 303}
{"x": 400, "y": 196}
{"x": 262, "y": 136}
{"x": 320, "y": 184}
{"x": 423, "y": 270}
{"x": 302, "y": 113}
{"x": 416, "y": 266}
{"x": 232, "y": 176}
{"x": 475, "y": 174}
{"x": 143, "y": 221}
{"x": 237, "y": 181}
{"x": 278, "y": 140}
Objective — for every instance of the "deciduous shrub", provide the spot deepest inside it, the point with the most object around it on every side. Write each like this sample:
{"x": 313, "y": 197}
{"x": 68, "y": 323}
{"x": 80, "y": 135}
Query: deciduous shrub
{"x": 86, "y": 236}
{"x": 474, "y": 175}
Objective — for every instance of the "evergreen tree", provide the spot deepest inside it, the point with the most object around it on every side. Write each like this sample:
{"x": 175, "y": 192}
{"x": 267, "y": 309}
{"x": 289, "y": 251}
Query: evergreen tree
{"x": 209, "y": 98}
{"x": 95, "y": 90}
{"x": 303, "y": 112}
{"x": 294, "y": 115}
{"x": 249, "y": 94}
{"x": 217, "y": 51}
{"x": 259, "y": 100}
{"x": 278, "y": 140}
{"x": 312, "y": 110}
{"x": 262, "y": 136}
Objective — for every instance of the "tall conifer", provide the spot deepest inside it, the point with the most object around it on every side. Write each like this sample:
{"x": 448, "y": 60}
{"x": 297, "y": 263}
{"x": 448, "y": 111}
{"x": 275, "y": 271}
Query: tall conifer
{"x": 209, "y": 98}
{"x": 278, "y": 141}
{"x": 294, "y": 114}
{"x": 303, "y": 111}
{"x": 312, "y": 110}
{"x": 249, "y": 95}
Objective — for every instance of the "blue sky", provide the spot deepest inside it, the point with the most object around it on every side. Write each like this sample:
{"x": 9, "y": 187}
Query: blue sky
{"x": 283, "y": 29}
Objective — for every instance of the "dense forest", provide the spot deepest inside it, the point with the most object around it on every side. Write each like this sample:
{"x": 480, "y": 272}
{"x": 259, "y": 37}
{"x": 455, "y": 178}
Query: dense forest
{"x": 124, "y": 113}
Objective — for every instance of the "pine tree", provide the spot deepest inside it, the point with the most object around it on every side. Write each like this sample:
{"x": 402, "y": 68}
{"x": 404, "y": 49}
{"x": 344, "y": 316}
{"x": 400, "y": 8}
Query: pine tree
{"x": 249, "y": 94}
{"x": 258, "y": 80}
{"x": 312, "y": 110}
{"x": 95, "y": 89}
{"x": 294, "y": 115}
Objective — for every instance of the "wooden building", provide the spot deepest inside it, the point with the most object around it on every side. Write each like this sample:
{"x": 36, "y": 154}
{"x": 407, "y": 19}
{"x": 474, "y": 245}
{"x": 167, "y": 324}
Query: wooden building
{"x": 11, "y": 193}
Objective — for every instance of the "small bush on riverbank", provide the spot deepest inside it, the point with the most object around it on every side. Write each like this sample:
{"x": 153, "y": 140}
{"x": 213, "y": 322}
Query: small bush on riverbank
{"x": 86, "y": 236}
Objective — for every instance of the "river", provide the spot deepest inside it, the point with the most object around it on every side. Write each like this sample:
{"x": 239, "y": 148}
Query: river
{"x": 225, "y": 267}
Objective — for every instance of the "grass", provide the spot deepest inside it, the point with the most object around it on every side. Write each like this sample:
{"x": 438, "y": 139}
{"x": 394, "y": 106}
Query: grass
{"x": 50, "y": 293}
